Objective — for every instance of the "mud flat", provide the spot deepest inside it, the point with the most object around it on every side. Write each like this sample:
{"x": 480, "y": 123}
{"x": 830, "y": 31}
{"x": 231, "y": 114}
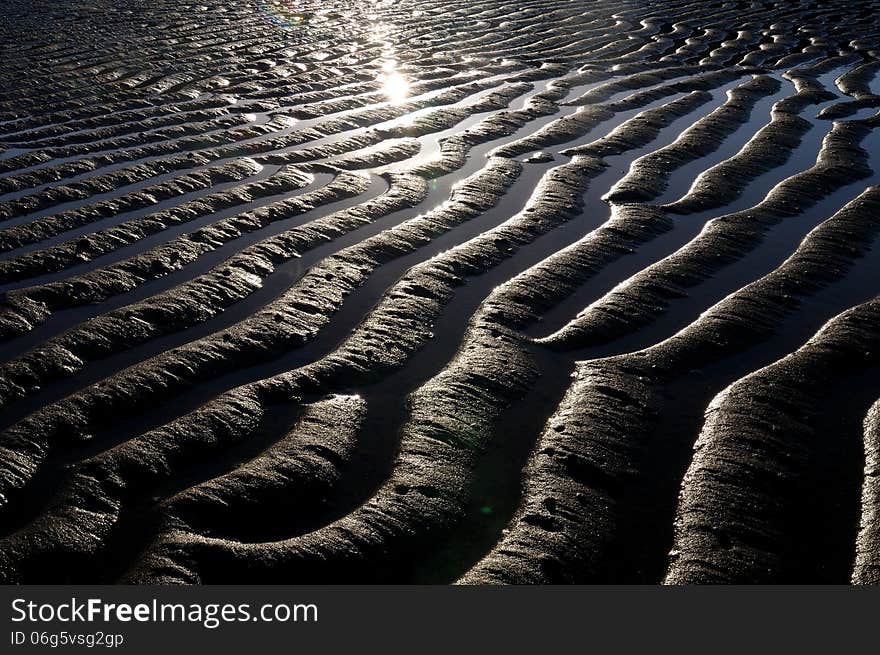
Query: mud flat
{"x": 561, "y": 294}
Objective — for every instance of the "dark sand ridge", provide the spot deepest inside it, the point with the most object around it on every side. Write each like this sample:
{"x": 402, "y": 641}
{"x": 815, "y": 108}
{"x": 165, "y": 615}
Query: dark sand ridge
{"x": 298, "y": 132}
{"x": 301, "y": 106}
{"x": 78, "y": 245}
{"x": 456, "y": 152}
{"x": 372, "y": 157}
{"x": 227, "y": 116}
{"x": 278, "y": 467}
{"x": 46, "y": 231}
{"x": 798, "y": 158}
{"x": 673, "y": 134}
{"x": 679, "y": 309}
{"x": 648, "y": 175}
{"x": 635, "y": 537}
{"x": 307, "y": 162}
{"x": 589, "y": 453}
{"x": 641, "y": 297}
{"x": 767, "y": 465}
{"x": 264, "y": 287}
{"x": 867, "y": 566}
{"x": 767, "y": 255}
{"x": 22, "y": 313}
{"x": 869, "y": 275}
{"x": 428, "y": 124}
{"x": 294, "y": 78}
{"x": 86, "y": 119}
{"x": 421, "y": 221}
{"x": 646, "y": 135}
{"x": 408, "y": 331}
{"x": 50, "y": 259}
{"x": 458, "y": 208}
{"x": 219, "y": 46}
{"x": 415, "y": 483}
{"x": 135, "y": 177}
{"x": 523, "y": 76}
{"x": 262, "y": 109}
{"x": 82, "y": 160}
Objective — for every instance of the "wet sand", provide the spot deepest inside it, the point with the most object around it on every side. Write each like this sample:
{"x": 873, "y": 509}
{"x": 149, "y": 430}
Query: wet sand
{"x": 421, "y": 292}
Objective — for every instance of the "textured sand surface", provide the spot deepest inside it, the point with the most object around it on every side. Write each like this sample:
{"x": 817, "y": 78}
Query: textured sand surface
{"x": 435, "y": 292}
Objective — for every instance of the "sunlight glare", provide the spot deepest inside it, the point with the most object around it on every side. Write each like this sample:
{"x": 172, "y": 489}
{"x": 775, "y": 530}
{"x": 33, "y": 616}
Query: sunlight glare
{"x": 395, "y": 86}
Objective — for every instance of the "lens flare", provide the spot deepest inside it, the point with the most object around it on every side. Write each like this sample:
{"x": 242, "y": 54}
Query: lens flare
{"x": 282, "y": 13}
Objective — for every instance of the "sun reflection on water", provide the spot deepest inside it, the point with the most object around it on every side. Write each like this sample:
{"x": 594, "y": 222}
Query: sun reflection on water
{"x": 395, "y": 86}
